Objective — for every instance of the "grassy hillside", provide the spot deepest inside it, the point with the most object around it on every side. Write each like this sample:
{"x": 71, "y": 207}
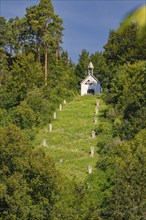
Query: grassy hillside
{"x": 70, "y": 140}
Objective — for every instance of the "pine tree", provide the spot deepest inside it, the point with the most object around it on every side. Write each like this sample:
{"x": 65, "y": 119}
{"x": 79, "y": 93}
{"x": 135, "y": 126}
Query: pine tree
{"x": 46, "y": 28}
{"x": 82, "y": 66}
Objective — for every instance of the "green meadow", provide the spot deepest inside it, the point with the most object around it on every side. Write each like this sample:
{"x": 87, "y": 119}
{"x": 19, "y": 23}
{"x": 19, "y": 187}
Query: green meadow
{"x": 70, "y": 140}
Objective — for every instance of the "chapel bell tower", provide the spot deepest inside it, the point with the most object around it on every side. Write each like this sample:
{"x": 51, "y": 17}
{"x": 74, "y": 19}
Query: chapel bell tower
{"x": 90, "y": 68}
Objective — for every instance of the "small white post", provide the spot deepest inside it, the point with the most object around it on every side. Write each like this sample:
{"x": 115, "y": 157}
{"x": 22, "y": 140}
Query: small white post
{"x": 93, "y": 134}
{"x": 96, "y": 110}
{"x": 92, "y": 151}
{"x": 97, "y": 102}
{"x": 50, "y": 127}
{"x": 44, "y": 143}
{"x": 60, "y": 107}
{"x": 89, "y": 169}
{"x": 54, "y": 115}
{"x": 95, "y": 120}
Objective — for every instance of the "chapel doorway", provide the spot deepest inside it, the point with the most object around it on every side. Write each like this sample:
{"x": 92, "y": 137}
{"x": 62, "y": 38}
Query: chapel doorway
{"x": 91, "y": 91}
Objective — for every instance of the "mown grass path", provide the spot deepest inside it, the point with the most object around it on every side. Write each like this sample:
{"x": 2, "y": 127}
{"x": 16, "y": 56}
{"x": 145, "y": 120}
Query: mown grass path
{"x": 70, "y": 140}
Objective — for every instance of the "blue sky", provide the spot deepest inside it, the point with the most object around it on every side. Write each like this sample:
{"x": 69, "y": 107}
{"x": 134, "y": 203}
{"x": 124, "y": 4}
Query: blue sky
{"x": 86, "y": 22}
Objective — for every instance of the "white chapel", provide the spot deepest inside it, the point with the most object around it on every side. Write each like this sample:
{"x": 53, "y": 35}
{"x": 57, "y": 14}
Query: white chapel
{"x": 90, "y": 85}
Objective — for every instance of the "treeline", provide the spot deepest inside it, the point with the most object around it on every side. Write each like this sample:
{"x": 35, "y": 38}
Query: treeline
{"x": 120, "y": 181}
{"x": 117, "y": 189}
{"x": 36, "y": 74}
{"x": 123, "y": 156}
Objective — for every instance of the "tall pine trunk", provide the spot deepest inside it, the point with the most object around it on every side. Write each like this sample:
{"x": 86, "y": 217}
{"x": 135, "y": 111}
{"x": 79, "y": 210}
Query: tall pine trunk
{"x": 46, "y": 66}
{"x": 39, "y": 54}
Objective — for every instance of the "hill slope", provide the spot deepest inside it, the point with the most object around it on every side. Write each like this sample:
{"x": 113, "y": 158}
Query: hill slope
{"x": 70, "y": 140}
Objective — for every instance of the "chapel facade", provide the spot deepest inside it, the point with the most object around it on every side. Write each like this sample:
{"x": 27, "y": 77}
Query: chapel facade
{"x": 90, "y": 85}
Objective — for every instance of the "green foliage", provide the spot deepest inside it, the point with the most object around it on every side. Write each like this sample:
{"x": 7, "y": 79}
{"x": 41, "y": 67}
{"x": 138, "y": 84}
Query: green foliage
{"x": 44, "y": 184}
{"x": 118, "y": 185}
{"x": 37, "y": 36}
{"x": 2, "y": 31}
{"x": 128, "y": 196}
{"x": 82, "y": 66}
{"x": 28, "y": 178}
{"x": 14, "y": 39}
{"x": 23, "y": 116}
{"x": 14, "y": 152}
{"x": 25, "y": 73}
{"x": 127, "y": 80}
{"x": 133, "y": 88}
{"x": 123, "y": 47}
{"x": 45, "y": 31}
{"x": 5, "y": 118}
{"x": 75, "y": 202}
{"x": 44, "y": 24}
{"x": 130, "y": 95}
{"x": 3, "y": 56}
{"x": 63, "y": 80}
{"x": 40, "y": 105}
{"x": 101, "y": 70}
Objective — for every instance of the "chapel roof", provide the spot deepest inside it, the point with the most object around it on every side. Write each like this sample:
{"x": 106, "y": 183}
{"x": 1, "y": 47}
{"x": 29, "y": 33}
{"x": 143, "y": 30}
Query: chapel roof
{"x": 88, "y": 77}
